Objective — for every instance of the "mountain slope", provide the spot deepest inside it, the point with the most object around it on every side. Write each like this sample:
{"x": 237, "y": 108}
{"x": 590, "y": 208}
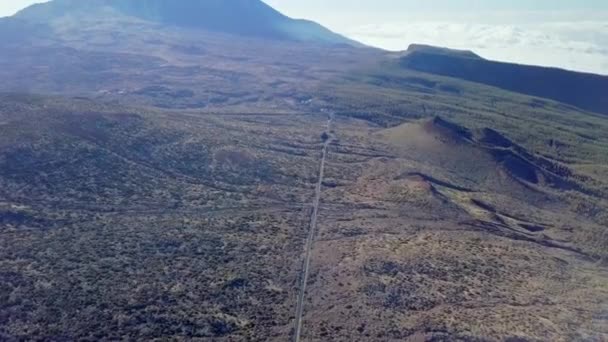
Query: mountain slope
{"x": 586, "y": 91}
{"x": 241, "y": 17}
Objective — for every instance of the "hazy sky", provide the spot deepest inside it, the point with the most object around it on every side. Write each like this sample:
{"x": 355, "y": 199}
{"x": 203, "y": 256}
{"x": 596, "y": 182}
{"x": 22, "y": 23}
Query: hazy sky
{"x": 9, "y": 7}
{"x": 571, "y": 34}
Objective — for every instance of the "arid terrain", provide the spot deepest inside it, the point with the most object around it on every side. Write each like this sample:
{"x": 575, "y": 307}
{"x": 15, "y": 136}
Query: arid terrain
{"x": 175, "y": 183}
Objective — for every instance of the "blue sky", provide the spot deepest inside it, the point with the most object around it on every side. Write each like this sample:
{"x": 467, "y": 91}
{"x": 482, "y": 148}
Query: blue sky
{"x": 571, "y": 34}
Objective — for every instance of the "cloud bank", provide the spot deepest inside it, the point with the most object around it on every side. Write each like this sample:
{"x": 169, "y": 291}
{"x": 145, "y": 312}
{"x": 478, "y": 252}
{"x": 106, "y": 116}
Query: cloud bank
{"x": 574, "y": 45}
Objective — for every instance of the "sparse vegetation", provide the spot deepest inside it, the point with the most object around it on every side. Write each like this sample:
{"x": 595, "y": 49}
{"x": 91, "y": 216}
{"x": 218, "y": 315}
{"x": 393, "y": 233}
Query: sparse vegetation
{"x": 164, "y": 192}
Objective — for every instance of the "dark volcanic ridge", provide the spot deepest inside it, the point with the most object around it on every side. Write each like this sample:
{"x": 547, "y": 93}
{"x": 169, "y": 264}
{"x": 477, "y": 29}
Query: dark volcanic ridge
{"x": 583, "y": 90}
{"x": 436, "y": 50}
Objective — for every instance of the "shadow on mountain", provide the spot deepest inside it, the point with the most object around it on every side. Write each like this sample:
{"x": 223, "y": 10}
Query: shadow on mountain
{"x": 586, "y": 91}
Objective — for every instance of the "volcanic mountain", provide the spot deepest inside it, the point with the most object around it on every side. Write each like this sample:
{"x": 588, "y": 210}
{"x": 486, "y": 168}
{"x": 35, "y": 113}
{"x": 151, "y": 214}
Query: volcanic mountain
{"x": 240, "y": 17}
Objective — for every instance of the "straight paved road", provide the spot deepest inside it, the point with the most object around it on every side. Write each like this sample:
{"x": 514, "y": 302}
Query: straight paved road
{"x": 311, "y": 236}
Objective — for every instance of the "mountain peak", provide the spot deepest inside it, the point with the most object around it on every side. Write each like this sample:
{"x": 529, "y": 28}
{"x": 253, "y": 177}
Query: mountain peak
{"x": 251, "y": 18}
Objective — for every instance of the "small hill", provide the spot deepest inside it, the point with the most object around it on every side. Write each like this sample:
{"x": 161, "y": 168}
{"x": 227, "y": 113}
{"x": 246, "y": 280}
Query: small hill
{"x": 240, "y": 17}
{"x": 583, "y": 90}
{"x": 485, "y": 156}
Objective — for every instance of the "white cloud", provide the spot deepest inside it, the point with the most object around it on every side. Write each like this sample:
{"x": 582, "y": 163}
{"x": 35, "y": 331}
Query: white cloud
{"x": 576, "y": 45}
